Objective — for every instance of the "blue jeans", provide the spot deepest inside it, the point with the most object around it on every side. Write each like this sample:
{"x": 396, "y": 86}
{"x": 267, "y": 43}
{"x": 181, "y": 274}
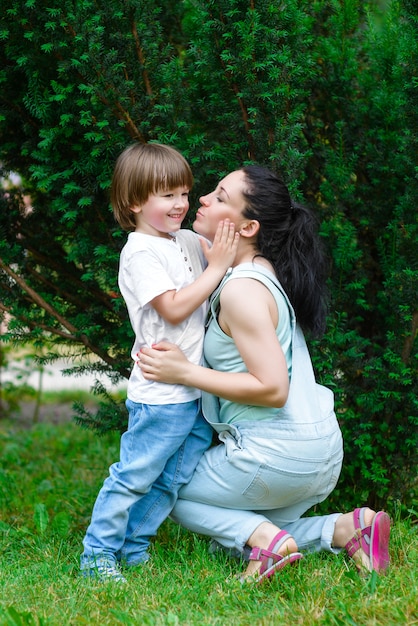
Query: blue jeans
{"x": 158, "y": 454}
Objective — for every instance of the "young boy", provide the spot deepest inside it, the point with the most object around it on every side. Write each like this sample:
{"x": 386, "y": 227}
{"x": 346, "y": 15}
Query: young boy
{"x": 165, "y": 281}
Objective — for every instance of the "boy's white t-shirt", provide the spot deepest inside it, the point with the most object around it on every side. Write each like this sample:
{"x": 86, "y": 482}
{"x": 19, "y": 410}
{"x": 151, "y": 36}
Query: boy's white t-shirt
{"x": 150, "y": 266}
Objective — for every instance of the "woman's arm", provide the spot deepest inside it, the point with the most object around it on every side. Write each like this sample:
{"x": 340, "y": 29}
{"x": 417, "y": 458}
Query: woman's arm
{"x": 249, "y": 316}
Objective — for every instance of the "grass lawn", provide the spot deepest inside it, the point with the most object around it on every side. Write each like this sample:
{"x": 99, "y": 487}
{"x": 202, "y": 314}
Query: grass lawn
{"x": 49, "y": 478}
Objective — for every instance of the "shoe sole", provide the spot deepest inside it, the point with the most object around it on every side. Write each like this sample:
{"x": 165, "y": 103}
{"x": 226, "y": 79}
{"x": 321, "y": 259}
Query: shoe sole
{"x": 379, "y": 542}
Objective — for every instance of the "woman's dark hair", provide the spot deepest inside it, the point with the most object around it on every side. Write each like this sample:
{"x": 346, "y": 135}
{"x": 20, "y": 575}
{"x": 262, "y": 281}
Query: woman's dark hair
{"x": 288, "y": 238}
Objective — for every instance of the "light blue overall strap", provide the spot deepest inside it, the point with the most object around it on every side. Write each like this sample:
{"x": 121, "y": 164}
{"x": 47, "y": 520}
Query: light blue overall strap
{"x": 249, "y": 270}
{"x": 307, "y": 400}
{"x": 210, "y": 402}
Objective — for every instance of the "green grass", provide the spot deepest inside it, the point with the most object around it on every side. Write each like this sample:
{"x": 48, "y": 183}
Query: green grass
{"x": 49, "y": 479}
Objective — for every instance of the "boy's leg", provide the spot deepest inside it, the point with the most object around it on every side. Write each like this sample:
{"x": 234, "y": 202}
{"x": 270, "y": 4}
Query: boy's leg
{"x": 148, "y": 513}
{"x": 155, "y": 433}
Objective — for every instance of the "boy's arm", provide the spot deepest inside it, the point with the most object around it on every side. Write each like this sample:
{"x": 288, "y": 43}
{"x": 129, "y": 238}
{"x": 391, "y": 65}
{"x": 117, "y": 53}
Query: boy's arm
{"x": 249, "y": 315}
{"x": 175, "y": 306}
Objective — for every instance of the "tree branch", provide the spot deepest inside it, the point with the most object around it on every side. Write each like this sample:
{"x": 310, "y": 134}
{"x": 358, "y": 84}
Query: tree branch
{"x": 73, "y": 334}
{"x": 141, "y": 58}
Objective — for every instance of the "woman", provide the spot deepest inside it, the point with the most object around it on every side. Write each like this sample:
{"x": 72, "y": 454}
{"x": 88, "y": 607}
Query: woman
{"x": 281, "y": 449}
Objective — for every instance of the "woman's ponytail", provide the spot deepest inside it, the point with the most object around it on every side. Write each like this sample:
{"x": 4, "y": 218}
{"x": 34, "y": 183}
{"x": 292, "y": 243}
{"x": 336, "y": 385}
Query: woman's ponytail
{"x": 288, "y": 238}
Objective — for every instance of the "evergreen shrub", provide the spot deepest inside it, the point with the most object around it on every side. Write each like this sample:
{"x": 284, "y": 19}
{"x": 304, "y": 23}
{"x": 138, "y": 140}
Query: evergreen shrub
{"x": 325, "y": 92}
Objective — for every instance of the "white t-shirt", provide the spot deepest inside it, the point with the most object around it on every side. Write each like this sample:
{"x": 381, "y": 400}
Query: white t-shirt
{"x": 150, "y": 266}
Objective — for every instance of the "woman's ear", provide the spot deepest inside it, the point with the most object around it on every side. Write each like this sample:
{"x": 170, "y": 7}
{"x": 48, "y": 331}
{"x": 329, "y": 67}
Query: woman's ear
{"x": 250, "y": 229}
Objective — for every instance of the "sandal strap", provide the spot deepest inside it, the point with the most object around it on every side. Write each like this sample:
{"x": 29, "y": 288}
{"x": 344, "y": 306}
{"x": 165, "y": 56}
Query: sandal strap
{"x": 362, "y": 534}
{"x": 356, "y": 542}
{"x": 264, "y": 554}
{"x": 257, "y": 554}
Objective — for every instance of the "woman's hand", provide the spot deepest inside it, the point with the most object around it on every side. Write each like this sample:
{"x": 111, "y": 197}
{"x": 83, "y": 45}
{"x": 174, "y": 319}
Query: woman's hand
{"x": 164, "y": 362}
{"x": 249, "y": 315}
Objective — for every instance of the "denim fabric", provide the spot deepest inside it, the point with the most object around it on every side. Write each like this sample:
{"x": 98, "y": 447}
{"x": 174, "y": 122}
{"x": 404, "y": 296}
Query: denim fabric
{"x": 252, "y": 478}
{"x": 268, "y": 470}
{"x": 158, "y": 454}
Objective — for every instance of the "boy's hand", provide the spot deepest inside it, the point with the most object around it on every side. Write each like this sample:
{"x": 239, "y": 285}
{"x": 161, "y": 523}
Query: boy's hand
{"x": 224, "y": 248}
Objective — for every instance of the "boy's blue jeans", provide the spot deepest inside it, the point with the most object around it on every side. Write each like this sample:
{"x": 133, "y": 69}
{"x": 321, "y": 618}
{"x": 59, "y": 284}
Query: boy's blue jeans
{"x": 158, "y": 454}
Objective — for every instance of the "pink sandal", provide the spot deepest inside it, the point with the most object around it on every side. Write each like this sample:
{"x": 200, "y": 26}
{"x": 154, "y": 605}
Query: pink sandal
{"x": 271, "y": 562}
{"x": 373, "y": 540}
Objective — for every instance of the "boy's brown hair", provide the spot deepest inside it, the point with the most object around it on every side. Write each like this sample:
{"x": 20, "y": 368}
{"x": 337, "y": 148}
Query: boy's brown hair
{"x": 143, "y": 169}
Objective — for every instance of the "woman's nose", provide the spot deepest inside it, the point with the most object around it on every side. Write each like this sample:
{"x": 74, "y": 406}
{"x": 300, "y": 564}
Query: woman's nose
{"x": 204, "y": 199}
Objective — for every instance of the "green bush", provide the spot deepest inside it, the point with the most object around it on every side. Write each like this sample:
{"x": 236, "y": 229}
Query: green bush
{"x": 325, "y": 92}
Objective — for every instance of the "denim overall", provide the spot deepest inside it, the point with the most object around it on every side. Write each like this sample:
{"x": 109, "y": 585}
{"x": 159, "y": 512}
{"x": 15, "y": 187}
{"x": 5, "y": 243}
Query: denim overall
{"x": 269, "y": 470}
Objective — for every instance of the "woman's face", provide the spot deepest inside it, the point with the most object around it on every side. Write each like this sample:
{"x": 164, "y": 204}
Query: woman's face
{"x": 226, "y": 201}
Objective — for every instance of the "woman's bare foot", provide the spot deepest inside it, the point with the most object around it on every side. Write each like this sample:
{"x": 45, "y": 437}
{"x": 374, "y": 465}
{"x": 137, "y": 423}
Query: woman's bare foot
{"x": 345, "y": 530}
{"x": 262, "y": 538}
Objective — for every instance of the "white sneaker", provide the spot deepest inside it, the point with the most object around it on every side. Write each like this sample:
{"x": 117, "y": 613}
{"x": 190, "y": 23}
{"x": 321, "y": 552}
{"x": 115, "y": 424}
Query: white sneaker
{"x": 104, "y": 572}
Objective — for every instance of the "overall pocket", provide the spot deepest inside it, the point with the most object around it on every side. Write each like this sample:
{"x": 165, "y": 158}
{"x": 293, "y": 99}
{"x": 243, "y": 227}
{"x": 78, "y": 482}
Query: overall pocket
{"x": 278, "y": 487}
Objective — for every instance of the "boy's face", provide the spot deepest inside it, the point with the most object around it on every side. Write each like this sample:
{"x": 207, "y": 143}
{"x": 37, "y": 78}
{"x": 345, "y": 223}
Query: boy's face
{"x": 163, "y": 212}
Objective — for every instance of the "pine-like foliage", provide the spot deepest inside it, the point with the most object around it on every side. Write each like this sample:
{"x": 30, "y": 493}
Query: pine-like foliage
{"x": 325, "y": 92}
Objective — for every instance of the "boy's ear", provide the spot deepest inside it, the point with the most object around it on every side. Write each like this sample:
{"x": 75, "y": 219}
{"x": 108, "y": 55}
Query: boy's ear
{"x": 250, "y": 229}
{"x": 136, "y": 209}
